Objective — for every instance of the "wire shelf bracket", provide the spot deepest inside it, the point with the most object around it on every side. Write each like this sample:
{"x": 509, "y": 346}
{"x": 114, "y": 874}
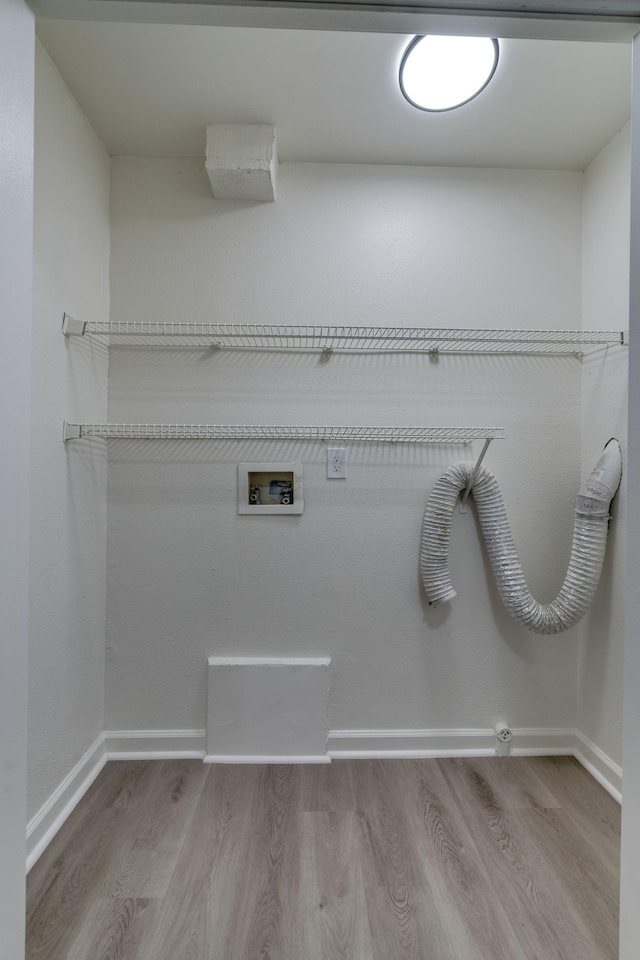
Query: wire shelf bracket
{"x": 472, "y": 479}
{"x": 73, "y": 328}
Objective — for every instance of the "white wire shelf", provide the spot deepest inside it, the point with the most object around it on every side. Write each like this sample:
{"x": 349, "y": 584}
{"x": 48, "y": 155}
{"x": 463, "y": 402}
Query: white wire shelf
{"x": 256, "y": 336}
{"x": 207, "y": 431}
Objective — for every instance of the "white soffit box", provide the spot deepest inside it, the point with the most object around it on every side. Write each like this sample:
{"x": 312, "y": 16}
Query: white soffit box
{"x": 267, "y": 709}
{"x": 241, "y": 161}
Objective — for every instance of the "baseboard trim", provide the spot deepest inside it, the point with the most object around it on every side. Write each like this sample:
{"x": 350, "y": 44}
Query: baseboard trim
{"x": 342, "y": 744}
{"x": 43, "y": 827}
{"x": 474, "y": 742}
{"x": 603, "y": 768}
{"x": 259, "y": 758}
{"x": 385, "y": 744}
{"x": 155, "y": 744}
{"x": 543, "y": 742}
{"x": 382, "y": 744}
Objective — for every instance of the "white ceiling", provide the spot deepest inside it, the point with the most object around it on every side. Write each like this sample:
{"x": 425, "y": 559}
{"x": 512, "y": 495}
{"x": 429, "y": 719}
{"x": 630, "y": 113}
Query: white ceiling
{"x": 149, "y": 90}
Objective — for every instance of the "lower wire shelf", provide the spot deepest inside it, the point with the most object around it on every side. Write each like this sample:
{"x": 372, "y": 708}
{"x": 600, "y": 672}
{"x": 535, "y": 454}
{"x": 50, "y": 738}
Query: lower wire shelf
{"x": 208, "y": 431}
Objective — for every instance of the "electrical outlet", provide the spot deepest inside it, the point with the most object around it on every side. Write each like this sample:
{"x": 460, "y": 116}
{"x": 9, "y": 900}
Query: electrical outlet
{"x": 503, "y": 740}
{"x": 336, "y": 463}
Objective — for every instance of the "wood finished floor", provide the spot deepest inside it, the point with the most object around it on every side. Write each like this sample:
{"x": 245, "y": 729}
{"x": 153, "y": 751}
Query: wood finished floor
{"x": 483, "y": 859}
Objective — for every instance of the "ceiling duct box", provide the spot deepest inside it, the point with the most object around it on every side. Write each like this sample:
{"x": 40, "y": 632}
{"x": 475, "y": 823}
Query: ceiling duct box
{"x": 241, "y": 161}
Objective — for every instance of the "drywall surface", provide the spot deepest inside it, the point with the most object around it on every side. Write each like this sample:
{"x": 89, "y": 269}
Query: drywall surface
{"x": 16, "y": 221}
{"x": 68, "y": 484}
{"x": 605, "y": 298}
{"x": 188, "y": 578}
{"x": 630, "y": 865}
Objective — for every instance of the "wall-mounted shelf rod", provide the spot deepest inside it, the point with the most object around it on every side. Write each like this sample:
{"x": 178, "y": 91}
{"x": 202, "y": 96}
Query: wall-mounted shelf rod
{"x": 472, "y": 479}
{"x": 256, "y": 336}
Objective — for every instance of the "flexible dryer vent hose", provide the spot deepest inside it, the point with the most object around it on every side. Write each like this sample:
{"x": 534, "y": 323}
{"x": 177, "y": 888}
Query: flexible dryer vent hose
{"x": 587, "y": 552}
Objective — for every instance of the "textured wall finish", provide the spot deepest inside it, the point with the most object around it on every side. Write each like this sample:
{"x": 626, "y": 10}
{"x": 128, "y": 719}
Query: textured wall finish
{"x": 605, "y": 305}
{"x": 188, "y": 578}
{"x": 68, "y": 486}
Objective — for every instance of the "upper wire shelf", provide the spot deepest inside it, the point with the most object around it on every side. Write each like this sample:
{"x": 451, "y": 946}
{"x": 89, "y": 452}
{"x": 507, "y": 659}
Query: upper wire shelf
{"x": 257, "y": 336}
{"x": 207, "y": 431}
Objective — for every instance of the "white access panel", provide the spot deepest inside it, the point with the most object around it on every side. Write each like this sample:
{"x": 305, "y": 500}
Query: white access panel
{"x": 267, "y": 710}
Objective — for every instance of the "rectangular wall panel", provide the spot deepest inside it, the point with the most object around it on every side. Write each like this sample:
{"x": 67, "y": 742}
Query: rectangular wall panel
{"x": 267, "y": 709}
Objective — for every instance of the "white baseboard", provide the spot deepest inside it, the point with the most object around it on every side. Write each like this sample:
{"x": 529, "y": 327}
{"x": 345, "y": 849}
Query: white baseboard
{"x": 43, "y": 827}
{"x": 155, "y": 744}
{"x": 260, "y": 758}
{"x": 184, "y": 745}
{"x": 382, "y": 744}
{"x": 599, "y": 765}
{"x": 543, "y": 742}
{"x": 474, "y": 742}
{"x": 355, "y": 744}
{"x": 342, "y": 744}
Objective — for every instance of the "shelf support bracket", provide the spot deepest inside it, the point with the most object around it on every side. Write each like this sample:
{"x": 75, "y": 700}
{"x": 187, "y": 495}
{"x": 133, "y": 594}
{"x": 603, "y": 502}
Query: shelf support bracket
{"x": 474, "y": 475}
{"x": 71, "y": 327}
{"x": 70, "y": 431}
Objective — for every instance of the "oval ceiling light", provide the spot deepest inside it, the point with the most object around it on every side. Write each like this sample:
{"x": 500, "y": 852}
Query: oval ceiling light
{"x": 441, "y": 73}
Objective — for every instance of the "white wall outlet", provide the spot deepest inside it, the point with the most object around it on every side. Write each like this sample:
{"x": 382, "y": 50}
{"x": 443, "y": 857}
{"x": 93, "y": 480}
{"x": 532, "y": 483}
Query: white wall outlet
{"x": 336, "y": 463}
{"x": 503, "y": 739}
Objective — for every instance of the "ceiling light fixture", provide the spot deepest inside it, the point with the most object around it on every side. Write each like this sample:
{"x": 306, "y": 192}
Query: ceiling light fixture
{"x": 442, "y": 73}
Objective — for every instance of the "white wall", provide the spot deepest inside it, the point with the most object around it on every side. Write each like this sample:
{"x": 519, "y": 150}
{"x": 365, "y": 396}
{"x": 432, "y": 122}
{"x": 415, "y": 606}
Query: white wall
{"x": 68, "y": 483}
{"x": 188, "y": 578}
{"x": 605, "y": 299}
{"x": 630, "y": 866}
{"x": 16, "y": 218}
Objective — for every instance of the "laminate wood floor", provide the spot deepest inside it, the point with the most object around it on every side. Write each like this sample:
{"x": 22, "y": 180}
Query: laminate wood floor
{"x": 470, "y": 859}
